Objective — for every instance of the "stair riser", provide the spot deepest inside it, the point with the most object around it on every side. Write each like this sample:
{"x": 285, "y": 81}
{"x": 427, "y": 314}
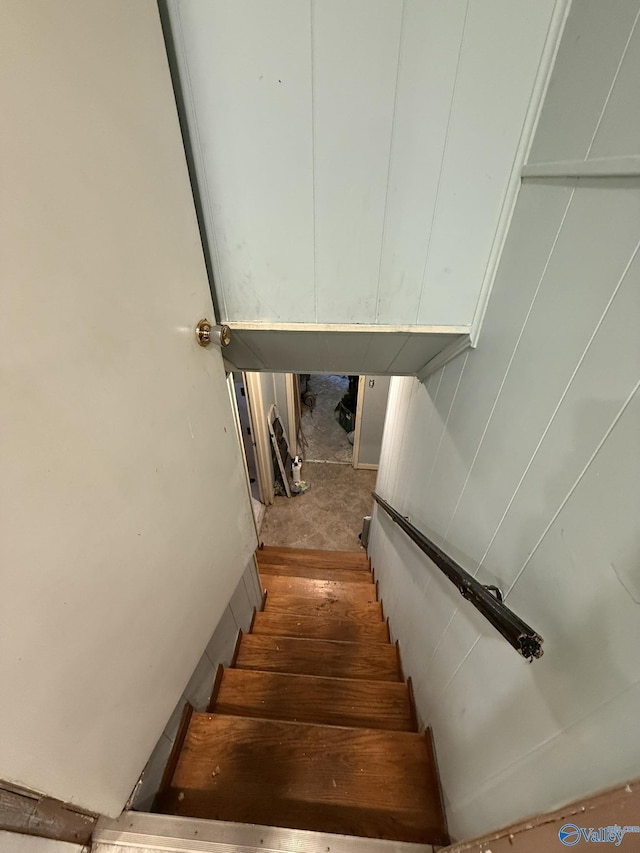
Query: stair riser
{"x": 319, "y": 657}
{"x": 329, "y": 574}
{"x": 307, "y": 699}
{"x": 311, "y": 557}
{"x": 318, "y": 628}
{"x": 319, "y": 591}
{"x": 292, "y": 605}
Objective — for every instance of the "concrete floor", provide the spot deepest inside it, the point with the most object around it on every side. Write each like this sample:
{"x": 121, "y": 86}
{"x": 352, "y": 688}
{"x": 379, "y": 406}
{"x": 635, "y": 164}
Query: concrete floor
{"x": 329, "y": 515}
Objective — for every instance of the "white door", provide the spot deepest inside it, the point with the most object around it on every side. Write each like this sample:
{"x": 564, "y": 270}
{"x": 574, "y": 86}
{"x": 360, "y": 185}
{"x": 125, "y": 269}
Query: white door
{"x": 125, "y": 519}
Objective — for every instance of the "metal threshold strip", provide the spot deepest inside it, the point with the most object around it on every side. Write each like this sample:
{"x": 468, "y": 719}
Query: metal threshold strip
{"x": 152, "y": 833}
{"x": 486, "y": 599}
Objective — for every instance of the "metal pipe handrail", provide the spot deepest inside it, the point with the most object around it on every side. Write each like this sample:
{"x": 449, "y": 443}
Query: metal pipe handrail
{"x": 521, "y": 636}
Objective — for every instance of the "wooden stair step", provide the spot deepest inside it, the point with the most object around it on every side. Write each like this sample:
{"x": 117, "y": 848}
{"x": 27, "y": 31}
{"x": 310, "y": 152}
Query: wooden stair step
{"x": 365, "y": 782}
{"x": 316, "y": 573}
{"x": 319, "y": 627}
{"x": 312, "y": 699}
{"x": 320, "y": 591}
{"x": 315, "y": 557}
{"x": 369, "y": 612}
{"x": 329, "y": 658}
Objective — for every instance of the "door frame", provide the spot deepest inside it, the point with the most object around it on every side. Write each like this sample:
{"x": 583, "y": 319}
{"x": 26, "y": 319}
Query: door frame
{"x": 260, "y": 434}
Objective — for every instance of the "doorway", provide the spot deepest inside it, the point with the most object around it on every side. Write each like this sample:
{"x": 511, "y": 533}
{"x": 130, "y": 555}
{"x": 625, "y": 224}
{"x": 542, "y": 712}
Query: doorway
{"x": 328, "y": 406}
{"x": 246, "y": 431}
{"x": 319, "y": 415}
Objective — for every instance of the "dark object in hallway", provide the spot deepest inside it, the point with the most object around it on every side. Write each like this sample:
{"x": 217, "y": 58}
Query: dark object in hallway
{"x": 313, "y": 727}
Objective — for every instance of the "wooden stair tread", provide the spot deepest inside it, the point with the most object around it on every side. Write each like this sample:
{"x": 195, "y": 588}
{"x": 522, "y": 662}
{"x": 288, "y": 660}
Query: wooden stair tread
{"x": 314, "y": 557}
{"x": 316, "y": 572}
{"x": 329, "y": 658}
{"x": 320, "y": 591}
{"x": 345, "y": 780}
{"x": 282, "y": 624}
{"x": 313, "y": 699}
{"x": 369, "y": 612}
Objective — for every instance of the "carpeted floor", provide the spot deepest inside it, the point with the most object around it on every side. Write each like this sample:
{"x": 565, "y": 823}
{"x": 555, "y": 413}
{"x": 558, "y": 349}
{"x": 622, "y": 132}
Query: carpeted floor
{"x": 326, "y": 440}
{"x": 329, "y": 515}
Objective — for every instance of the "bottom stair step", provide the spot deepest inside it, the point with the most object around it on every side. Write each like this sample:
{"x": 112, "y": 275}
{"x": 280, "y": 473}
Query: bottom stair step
{"x": 310, "y": 699}
{"x": 351, "y": 781}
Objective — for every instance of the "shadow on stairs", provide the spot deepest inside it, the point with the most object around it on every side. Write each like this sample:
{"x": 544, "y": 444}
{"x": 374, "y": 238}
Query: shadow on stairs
{"x": 313, "y": 727}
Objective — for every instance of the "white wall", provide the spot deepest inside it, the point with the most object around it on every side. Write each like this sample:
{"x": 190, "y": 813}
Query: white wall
{"x": 125, "y": 522}
{"x": 347, "y": 150}
{"x": 522, "y": 459}
{"x": 237, "y": 617}
{"x": 373, "y": 393}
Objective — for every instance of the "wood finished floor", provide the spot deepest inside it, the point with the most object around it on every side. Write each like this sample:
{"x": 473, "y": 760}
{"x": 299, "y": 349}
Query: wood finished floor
{"x": 314, "y": 727}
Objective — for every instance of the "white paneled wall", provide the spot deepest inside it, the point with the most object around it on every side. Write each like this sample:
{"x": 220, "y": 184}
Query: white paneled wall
{"x": 237, "y": 617}
{"x": 353, "y": 156}
{"x": 522, "y": 459}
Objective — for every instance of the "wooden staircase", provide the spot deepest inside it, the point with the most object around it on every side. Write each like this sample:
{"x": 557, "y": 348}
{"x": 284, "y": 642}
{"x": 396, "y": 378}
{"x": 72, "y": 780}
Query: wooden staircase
{"x": 313, "y": 727}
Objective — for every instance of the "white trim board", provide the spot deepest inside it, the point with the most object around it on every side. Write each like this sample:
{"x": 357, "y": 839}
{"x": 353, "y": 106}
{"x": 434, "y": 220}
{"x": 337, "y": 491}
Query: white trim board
{"x": 260, "y": 434}
{"x": 596, "y": 167}
{"x": 346, "y": 327}
{"x": 357, "y": 427}
{"x": 448, "y": 354}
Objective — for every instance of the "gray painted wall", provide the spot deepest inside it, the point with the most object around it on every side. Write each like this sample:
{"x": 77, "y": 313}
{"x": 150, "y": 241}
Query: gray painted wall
{"x": 237, "y": 617}
{"x": 522, "y": 459}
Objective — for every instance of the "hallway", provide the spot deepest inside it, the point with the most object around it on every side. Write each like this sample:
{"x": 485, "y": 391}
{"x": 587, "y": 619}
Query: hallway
{"x": 329, "y": 515}
{"x": 326, "y": 440}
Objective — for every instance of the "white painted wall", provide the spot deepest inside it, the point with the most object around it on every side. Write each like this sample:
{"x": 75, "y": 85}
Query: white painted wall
{"x": 373, "y": 393}
{"x": 522, "y": 459}
{"x": 353, "y": 156}
{"x": 125, "y": 522}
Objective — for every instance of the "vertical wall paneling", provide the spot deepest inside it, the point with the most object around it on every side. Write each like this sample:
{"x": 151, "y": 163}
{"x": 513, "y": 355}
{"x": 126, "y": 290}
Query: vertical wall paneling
{"x": 619, "y": 129}
{"x": 524, "y": 261}
{"x": 594, "y": 41}
{"x": 487, "y": 115}
{"x": 354, "y": 79}
{"x": 430, "y": 48}
{"x": 246, "y": 70}
{"x": 602, "y": 382}
{"x": 612, "y": 213}
{"x": 534, "y": 460}
{"x": 346, "y": 151}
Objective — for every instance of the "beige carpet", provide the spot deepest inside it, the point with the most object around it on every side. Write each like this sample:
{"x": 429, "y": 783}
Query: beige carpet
{"x": 326, "y": 439}
{"x": 329, "y": 515}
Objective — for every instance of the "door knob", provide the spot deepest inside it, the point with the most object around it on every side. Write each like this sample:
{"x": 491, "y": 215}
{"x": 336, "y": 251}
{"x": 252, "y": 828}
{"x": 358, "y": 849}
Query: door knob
{"x": 207, "y": 334}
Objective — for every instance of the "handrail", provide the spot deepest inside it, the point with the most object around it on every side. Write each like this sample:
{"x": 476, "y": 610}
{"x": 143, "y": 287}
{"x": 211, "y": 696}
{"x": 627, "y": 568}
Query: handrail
{"x": 521, "y": 636}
